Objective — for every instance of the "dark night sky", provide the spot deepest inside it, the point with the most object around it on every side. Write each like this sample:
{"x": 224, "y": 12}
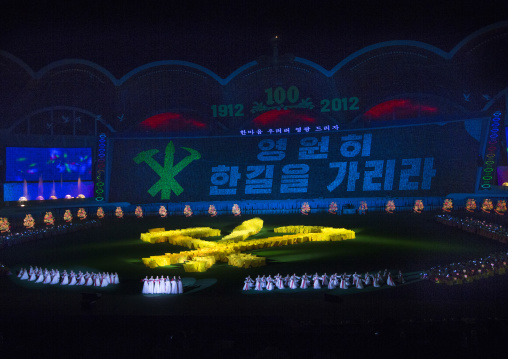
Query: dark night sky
{"x": 224, "y": 35}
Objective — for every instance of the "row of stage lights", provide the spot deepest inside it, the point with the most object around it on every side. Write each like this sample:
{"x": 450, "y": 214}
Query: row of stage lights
{"x": 23, "y": 200}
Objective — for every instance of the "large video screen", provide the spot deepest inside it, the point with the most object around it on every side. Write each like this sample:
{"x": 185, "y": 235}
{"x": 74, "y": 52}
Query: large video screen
{"x": 50, "y": 164}
{"x": 430, "y": 160}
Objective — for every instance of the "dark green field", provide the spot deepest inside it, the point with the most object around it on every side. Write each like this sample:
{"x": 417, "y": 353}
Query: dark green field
{"x": 404, "y": 241}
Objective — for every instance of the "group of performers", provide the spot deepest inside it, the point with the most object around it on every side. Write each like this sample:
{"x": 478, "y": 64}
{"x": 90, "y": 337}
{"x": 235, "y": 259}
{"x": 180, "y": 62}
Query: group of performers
{"x": 162, "y": 285}
{"x": 469, "y": 271}
{"x": 317, "y": 281}
{"x": 39, "y": 275}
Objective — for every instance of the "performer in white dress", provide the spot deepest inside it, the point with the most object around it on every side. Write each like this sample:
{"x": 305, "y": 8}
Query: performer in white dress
{"x": 343, "y": 282}
{"x": 250, "y": 281}
{"x": 324, "y": 280}
{"x": 33, "y": 276}
{"x": 359, "y": 283}
{"x": 263, "y": 282}
{"x": 293, "y": 281}
{"x": 56, "y": 277}
{"x": 88, "y": 279}
{"x": 167, "y": 286}
{"x": 390, "y": 280}
{"x": 270, "y": 284}
{"x": 145, "y": 285}
{"x": 81, "y": 278}
{"x": 24, "y": 276}
{"x": 104, "y": 279}
{"x": 40, "y": 278}
{"x": 376, "y": 281}
{"x": 117, "y": 280}
{"x": 368, "y": 279}
{"x": 48, "y": 277}
{"x": 156, "y": 286}
{"x": 246, "y": 284}
{"x": 336, "y": 279}
{"x": 331, "y": 283}
{"x": 355, "y": 278}
{"x": 72, "y": 280}
{"x": 286, "y": 280}
{"x": 162, "y": 285}
{"x": 305, "y": 281}
{"x": 259, "y": 284}
{"x": 280, "y": 282}
{"x": 317, "y": 283}
{"x": 174, "y": 286}
{"x": 150, "y": 285}
{"x": 65, "y": 278}
{"x": 179, "y": 284}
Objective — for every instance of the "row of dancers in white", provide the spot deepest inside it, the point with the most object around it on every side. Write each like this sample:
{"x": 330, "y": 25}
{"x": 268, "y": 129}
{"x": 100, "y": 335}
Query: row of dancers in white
{"x": 162, "y": 285}
{"x": 39, "y": 275}
{"x": 316, "y": 281}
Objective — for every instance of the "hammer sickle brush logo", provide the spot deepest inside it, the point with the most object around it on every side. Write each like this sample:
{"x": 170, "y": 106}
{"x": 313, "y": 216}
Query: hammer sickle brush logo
{"x": 167, "y": 173}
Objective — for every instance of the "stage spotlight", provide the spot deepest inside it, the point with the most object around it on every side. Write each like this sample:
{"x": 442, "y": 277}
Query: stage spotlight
{"x": 80, "y": 196}
{"x": 40, "y": 198}
{"x": 68, "y": 196}
{"x": 22, "y": 201}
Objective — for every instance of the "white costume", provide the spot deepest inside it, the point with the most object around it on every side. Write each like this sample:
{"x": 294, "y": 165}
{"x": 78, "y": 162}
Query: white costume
{"x": 56, "y": 277}
{"x": 259, "y": 285}
{"x": 47, "y": 278}
{"x": 40, "y": 279}
{"x": 65, "y": 279}
{"x": 331, "y": 283}
{"x": 270, "y": 283}
{"x": 305, "y": 281}
{"x": 368, "y": 279}
{"x": 104, "y": 280}
{"x": 390, "y": 281}
{"x": 81, "y": 279}
{"x": 174, "y": 286}
{"x": 150, "y": 285}
{"x": 25, "y": 275}
{"x": 359, "y": 283}
{"x": 343, "y": 282}
{"x": 246, "y": 285}
{"x": 145, "y": 286}
{"x": 167, "y": 286}
{"x": 73, "y": 280}
{"x": 156, "y": 286}
{"x": 317, "y": 283}
{"x": 293, "y": 282}
{"x": 179, "y": 285}
{"x": 162, "y": 285}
